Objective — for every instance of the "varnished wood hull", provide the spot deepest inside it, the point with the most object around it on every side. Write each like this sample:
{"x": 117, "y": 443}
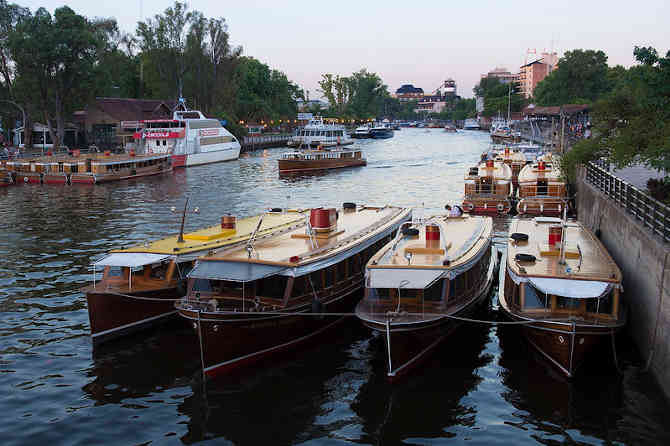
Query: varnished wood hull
{"x": 548, "y": 207}
{"x": 113, "y": 315}
{"x": 487, "y": 206}
{"x": 298, "y": 166}
{"x": 234, "y": 340}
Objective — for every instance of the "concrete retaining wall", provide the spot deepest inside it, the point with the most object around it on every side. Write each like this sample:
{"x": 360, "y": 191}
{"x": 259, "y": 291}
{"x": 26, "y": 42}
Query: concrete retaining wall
{"x": 645, "y": 262}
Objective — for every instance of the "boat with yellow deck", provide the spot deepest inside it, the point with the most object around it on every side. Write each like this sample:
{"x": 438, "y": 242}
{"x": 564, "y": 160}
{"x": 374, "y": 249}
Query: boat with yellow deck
{"x": 249, "y": 301}
{"x": 560, "y": 283}
{"x": 140, "y": 284}
{"x": 488, "y": 188}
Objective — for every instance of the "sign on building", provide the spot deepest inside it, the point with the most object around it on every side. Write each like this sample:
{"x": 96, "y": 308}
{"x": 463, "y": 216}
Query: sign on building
{"x": 305, "y": 116}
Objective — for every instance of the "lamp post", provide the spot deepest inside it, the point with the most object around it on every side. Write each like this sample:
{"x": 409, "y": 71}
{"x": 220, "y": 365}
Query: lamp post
{"x": 180, "y": 239}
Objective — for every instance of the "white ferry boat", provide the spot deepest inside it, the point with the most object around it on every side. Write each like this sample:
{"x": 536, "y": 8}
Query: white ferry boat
{"x": 317, "y": 133}
{"x": 192, "y": 139}
{"x": 471, "y": 124}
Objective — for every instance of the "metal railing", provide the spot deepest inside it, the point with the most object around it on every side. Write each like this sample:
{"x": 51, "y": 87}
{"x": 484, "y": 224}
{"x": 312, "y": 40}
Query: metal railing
{"x": 265, "y": 139}
{"x": 652, "y": 213}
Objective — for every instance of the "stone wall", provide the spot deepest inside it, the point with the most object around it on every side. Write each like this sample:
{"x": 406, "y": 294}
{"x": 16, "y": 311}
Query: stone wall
{"x": 644, "y": 260}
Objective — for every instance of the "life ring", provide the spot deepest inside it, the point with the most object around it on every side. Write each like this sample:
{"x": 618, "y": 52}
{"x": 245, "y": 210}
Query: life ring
{"x": 471, "y": 207}
{"x": 501, "y": 208}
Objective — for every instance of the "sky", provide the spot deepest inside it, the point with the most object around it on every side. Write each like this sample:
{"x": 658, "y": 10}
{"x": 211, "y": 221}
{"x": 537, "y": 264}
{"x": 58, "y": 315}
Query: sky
{"x": 421, "y": 43}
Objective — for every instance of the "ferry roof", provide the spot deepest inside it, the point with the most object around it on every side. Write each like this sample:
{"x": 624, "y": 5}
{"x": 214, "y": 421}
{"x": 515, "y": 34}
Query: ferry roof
{"x": 294, "y": 248}
{"x": 214, "y": 237}
{"x": 531, "y": 173}
{"x": 462, "y": 240}
{"x": 500, "y": 171}
{"x": 95, "y": 157}
{"x": 586, "y": 258}
{"x": 513, "y": 156}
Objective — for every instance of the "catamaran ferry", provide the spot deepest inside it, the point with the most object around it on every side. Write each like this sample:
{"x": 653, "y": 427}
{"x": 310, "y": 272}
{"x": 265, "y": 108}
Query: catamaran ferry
{"x": 192, "y": 139}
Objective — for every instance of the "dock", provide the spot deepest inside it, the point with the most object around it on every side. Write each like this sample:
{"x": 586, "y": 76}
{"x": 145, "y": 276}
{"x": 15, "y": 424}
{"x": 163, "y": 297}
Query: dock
{"x": 263, "y": 142}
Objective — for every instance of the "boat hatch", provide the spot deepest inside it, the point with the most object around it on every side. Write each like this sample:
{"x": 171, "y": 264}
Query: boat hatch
{"x": 416, "y": 279}
{"x": 233, "y": 271}
{"x": 131, "y": 259}
{"x": 576, "y": 289}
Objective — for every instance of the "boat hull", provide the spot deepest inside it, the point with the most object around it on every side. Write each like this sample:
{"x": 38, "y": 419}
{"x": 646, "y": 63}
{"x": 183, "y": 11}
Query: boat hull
{"x": 548, "y": 207}
{"x": 381, "y": 134}
{"x": 113, "y": 315}
{"x": 227, "y": 154}
{"x": 288, "y": 166}
{"x": 487, "y": 206}
{"x": 233, "y": 340}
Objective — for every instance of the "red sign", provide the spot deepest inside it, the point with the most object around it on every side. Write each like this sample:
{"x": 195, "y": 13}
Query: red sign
{"x": 155, "y": 135}
{"x": 209, "y": 132}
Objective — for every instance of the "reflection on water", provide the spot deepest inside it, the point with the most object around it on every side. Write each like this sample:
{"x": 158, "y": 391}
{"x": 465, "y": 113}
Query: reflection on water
{"x": 481, "y": 386}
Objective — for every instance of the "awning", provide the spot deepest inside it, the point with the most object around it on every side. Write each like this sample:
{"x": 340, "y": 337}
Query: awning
{"x": 130, "y": 259}
{"x": 233, "y": 271}
{"x": 415, "y": 279}
{"x": 571, "y": 288}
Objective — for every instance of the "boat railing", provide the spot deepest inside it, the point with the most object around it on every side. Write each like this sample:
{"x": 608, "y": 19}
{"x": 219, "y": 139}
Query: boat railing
{"x": 650, "y": 212}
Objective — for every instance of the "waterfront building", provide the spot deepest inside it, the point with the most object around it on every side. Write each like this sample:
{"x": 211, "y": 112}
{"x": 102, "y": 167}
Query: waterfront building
{"x": 409, "y": 92}
{"x": 533, "y": 72}
{"x": 502, "y": 74}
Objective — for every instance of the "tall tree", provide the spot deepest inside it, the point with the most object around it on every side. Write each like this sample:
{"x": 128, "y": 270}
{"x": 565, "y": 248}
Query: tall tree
{"x": 10, "y": 15}
{"x": 55, "y": 55}
{"x": 581, "y": 76}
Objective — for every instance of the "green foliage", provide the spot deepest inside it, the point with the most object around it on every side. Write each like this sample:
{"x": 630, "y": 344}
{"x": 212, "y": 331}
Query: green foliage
{"x": 582, "y": 76}
{"x": 362, "y": 95}
{"x": 458, "y": 109}
{"x": 497, "y": 95}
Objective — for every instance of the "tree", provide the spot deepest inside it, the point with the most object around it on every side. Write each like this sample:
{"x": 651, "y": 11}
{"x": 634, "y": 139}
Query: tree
{"x": 10, "y": 16}
{"x": 55, "y": 58}
{"x": 497, "y": 95}
{"x": 581, "y": 77}
{"x": 632, "y": 123}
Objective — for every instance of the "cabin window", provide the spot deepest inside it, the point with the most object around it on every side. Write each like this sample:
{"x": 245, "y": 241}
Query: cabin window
{"x": 602, "y": 307}
{"x": 542, "y": 187}
{"x": 534, "y": 299}
{"x": 434, "y": 292}
{"x": 300, "y": 287}
{"x": 329, "y": 276}
{"x": 202, "y": 285}
{"x": 114, "y": 271}
{"x": 273, "y": 286}
{"x": 567, "y": 303}
{"x": 341, "y": 271}
{"x": 408, "y": 293}
{"x": 381, "y": 293}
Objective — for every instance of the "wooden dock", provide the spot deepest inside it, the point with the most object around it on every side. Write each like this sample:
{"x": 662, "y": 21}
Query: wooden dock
{"x": 263, "y": 142}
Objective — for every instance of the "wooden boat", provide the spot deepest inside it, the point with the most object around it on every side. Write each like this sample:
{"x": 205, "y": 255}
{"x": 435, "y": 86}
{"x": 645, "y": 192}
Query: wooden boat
{"x": 427, "y": 274}
{"x": 90, "y": 168}
{"x": 139, "y": 284}
{"x": 488, "y": 188}
{"x": 312, "y": 160}
{"x": 559, "y": 278}
{"x": 248, "y": 302}
{"x": 542, "y": 191}
{"x": 515, "y": 159}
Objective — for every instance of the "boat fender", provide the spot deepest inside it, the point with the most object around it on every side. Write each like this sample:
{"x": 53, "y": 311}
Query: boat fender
{"x": 501, "y": 208}
{"x": 520, "y": 257}
{"x": 471, "y": 206}
{"x": 410, "y": 232}
{"x": 275, "y": 210}
{"x": 519, "y": 237}
{"x": 348, "y": 205}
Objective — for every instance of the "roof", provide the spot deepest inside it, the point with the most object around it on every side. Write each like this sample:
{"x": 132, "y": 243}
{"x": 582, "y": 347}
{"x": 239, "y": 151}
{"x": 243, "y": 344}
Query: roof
{"x": 565, "y": 109}
{"x": 130, "y": 109}
{"x": 409, "y": 88}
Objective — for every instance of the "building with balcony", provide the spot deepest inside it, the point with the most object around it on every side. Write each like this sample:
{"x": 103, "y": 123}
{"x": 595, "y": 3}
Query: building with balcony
{"x": 409, "y": 92}
{"x": 532, "y": 73}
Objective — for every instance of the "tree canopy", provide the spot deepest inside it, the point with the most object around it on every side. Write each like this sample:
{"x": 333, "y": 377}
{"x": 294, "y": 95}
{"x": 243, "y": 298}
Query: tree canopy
{"x": 497, "y": 95}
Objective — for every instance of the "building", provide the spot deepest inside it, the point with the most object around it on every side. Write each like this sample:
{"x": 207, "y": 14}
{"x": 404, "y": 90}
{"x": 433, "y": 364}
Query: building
{"x": 532, "y": 73}
{"x": 112, "y": 122}
{"x": 432, "y": 104}
{"x": 502, "y": 74}
{"x": 409, "y": 92}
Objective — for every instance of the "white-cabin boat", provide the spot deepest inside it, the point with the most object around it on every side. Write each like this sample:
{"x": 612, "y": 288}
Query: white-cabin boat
{"x": 319, "y": 133}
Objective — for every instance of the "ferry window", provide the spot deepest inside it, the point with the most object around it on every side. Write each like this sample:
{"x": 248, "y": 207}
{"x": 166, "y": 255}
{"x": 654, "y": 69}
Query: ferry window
{"x": 300, "y": 287}
{"x": 114, "y": 271}
{"x": 542, "y": 187}
{"x": 381, "y": 293}
{"x": 341, "y": 270}
{"x": 406, "y": 293}
{"x": 354, "y": 264}
{"x": 566, "y": 303}
{"x": 273, "y": 286}
{"x": 330, "y": 276}
{"x": 158, "y": 142}
{"x": 434, "y": 292}
{"x": 314, "y": 282}
{"x": 165, "y": 142}
{"x": 534, "y": 298}
{"x": 185, "y": 268}
{"x": 202, "y": 285}
{"x": 605, "y": 305}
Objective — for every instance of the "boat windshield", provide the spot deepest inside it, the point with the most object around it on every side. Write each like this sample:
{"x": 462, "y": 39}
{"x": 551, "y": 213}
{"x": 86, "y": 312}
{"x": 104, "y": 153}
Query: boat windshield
{"x": 538, "y": 300}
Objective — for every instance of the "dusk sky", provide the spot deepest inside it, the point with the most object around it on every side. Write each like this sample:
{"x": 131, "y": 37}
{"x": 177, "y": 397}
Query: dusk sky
{"x": 421, "y": 43}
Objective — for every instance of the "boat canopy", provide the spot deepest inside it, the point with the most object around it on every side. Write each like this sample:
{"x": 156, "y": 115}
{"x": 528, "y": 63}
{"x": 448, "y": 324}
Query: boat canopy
{"x": 131, "y": 259}
{"x": 576, "y": 289}
{"x": 415, "y": 279}
{"x": 233, "y": 271}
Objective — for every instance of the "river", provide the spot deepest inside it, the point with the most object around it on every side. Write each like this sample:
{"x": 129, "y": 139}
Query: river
{"x": 482, "y": 386}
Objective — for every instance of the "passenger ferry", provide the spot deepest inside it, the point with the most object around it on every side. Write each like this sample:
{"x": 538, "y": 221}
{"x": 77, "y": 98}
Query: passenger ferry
{"x": 140, "y": 284}
{"x": 471, "y": 124}
{"x": 488, "y": 188}
{"x": 189, "y": 137}
{"x": 542, "y": 190}
{"x": 362, "y": 132}
{"x": 87, "y": 168}
{"x": 415, "y": 285}
{"x": 314, "y": 160}
{"x": 560, "y": 280}
{"x": 318, "y": 133}
{"x": 275, "y": 292}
